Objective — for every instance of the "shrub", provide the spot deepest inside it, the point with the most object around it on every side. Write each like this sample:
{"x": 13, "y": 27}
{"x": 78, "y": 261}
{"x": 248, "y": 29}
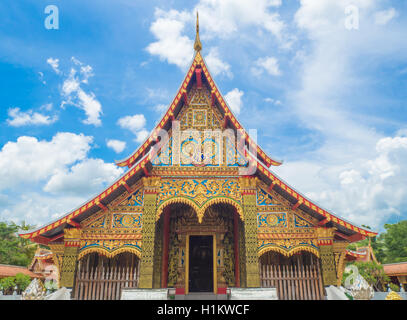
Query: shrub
{"x": 7, "y": 285}
{"x": 394, "y": 287}
{"x": 22, "y": 281}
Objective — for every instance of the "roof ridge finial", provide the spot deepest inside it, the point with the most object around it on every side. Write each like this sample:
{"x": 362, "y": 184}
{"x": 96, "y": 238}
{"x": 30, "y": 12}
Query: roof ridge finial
{"x": 197, "y": 44}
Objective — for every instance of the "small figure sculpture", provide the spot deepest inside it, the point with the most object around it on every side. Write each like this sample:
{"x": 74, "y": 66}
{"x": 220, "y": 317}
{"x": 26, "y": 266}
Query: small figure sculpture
{"x": 34, "y": 291}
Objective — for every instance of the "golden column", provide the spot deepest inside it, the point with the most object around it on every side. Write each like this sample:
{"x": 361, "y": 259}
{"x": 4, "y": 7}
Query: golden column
{"x": 72, "y": 239}
{"x": 325, "y": 238}
{"x": 148, "y": 232}
{"x": 252, "y": 276}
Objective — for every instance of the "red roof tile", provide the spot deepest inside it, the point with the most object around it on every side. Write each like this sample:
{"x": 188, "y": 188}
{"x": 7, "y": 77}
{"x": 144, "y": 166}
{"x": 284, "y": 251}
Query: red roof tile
{"x": 394, "y": 269}
{"x": 11, "y": 271}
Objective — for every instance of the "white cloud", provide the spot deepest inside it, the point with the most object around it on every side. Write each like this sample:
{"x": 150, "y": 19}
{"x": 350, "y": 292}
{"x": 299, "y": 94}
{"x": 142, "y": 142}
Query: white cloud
{"x": 222, "y": 18}
{"x": 160, "y": 108}
{"x": 268, "y": 64}
{"x": 91, "y": 106}
{"x": 273, "y": 101}
{"x": 88, "y": 176}
{"x": 351, "y": 170}
{"x": 366, "y": 192}
{"x": 38, "y": 208}
{"x": 218, "y": 18}
{"x": 47, "y": 107}
{"x": 75, "y": 95}
{"x": 142, "y": 135}
{"x": 385, "y": 16}
{"x": 20, "y": 118}
{"x": 51, "y": 177}
{"x": 216, "y": 65}
{"x": 171, "y": 44}
{"x": 54, "y": 63}
{"x": 234, "y": 100}
{"x": 133, "y": 123}
{"x": 42, "y": 78}
{"x": 30, "y": 160}
{"x": 117, "y": 145}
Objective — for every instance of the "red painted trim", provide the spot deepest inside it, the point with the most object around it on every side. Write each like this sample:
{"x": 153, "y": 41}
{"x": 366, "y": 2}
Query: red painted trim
{"x": 236, "y": 238}
{"x": 270, "y": 187}
{"x": 74, "y": 224}
{"x": 102, "y": 206}
{"x": 150, "y": 192}
{"x": 184, "y": 95}
{"x": 323, "y": 222}
{"x": 226, "y": 121}
{"x": 146, "y": 172}
{"x": 296, "y": 205}
{"x": 41, "y": 240}
{"x": 222, "y": 290}
{"x": 198, "y": 73}
{"x": 166, "y": 240}
{"x": 56, "y": 237}
{"x": 74, "y": 243}
{"x": 126, "y": 186}
{"x": 325, "y": 242}
{"x": 179, "y": 290}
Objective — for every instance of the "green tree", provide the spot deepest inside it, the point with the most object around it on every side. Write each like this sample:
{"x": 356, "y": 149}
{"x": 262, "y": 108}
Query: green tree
{"x": 22, "y": 281}
{"x": 7, "y": 285}
{"x": 372, "y": 272}
{"x": 395, "y": 242}
{"x": 15, "y": 250}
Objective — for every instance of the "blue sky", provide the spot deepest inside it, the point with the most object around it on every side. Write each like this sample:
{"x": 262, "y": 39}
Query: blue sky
{"x": 329, "y": 101}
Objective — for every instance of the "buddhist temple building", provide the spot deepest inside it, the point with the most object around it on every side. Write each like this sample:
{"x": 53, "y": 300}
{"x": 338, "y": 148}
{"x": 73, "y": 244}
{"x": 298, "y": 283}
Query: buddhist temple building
{"x": 43, "y": 264}
{"x": 199, "y": 209}
{"x": 397, "y": 272}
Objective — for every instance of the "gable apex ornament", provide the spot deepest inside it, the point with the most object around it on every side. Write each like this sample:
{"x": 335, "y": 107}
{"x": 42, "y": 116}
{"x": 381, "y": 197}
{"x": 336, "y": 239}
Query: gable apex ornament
{"x": 197, "y": 44}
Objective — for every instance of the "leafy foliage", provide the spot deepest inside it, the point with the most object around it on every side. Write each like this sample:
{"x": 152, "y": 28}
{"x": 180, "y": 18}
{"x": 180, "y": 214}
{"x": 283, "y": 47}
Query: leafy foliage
{"x": 13, "y": 249}
{"x": 22, "y": 281}
{"x": 394, "y": 287}
{"x": 394, "y": 242}
{"x": 390, "y": 246}
{"x": 372, "y": 272}
{"x": 7, "y": 285}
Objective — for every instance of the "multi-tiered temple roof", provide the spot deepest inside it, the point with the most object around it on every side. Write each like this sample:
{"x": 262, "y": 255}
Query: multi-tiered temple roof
{"x": 140, "y": 164}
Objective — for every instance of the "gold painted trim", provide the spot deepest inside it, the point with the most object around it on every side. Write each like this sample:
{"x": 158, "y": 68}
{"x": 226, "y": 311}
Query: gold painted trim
{"x": 289, "y": 253}
{"x": 187, "y": 266}
{"x": 215, "y": 273}
{"x": 200, "y": 211}
{"x": 108, "y": 254}
{"x": 215, "y": 269}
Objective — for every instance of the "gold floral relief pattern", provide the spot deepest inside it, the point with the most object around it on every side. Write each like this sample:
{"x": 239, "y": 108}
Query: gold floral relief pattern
{"x": 123, "y": 220}
{"x": 199, "y": 193}
{"x": 271, "y": 220}
{"x": 288, "y": 247}
{"x": 98, "y": 223}
{"x": 110, "y": 248}
{"x": 301, "y": 222}
{"x": 263, "y": 198}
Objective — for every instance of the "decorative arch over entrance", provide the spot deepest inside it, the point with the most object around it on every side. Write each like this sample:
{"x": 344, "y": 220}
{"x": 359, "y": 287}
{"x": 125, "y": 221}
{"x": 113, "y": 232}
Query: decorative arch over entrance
{"x": 287, "y": 251}
{"x": 110, "y": 254}
{"x": 200, "y": 209}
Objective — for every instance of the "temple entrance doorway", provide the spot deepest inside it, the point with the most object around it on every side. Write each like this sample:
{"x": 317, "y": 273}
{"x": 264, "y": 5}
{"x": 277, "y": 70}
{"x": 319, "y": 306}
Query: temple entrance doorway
{"x": 200, "y": 264}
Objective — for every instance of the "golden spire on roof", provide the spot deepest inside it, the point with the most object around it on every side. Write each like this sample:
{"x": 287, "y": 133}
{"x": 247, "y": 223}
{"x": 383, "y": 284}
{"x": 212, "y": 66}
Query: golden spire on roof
{"x": 197, "y": 44}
